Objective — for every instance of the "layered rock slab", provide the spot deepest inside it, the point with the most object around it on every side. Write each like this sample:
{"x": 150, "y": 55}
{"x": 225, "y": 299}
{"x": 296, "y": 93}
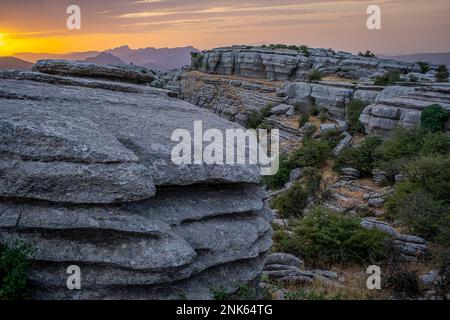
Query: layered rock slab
{"x": 87, "y": 179}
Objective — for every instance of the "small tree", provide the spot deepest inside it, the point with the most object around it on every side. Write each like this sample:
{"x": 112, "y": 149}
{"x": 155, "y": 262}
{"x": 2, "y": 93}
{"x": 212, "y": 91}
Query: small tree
{"x": 433, "y": 117}
{"x": 442, "y": 73}
{"x": 368, "y": 54}
{"x": 424, "y": 66}
{"x": 315, "y": 75}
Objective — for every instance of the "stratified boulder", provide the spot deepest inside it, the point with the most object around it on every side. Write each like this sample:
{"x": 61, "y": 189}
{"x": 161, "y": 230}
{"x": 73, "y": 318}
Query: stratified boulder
{"x": 398, "y": 106}
{"x": 86, "y": 179}
{"x": 91, "y": 70}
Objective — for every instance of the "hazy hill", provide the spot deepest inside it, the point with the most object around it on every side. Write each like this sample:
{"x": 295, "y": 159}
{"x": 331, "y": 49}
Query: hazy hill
{"x": 33, "y": 57}
{"x": 14, "y": 63}
{"x": 153, "y": 58}
{"x": 159, "y": 59}
{"x": 105, "y": 59}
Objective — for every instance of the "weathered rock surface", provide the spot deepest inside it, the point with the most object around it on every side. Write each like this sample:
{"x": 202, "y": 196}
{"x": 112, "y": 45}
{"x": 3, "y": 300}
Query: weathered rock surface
{"x": 92, "y": 70}
{"x": 395, "y": 107}
{"x": 410, "y": 247}
{"x": 86, "y": 179}
{"x": 282, "y": 64}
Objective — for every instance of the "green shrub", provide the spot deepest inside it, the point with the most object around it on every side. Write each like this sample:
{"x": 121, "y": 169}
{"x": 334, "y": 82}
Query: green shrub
{"x": 312, "y": 179}
{"x": 353, "y": 112}
{"x": 292, "y": 203}
{"x": 332, "y": 137}
{"x": 314, "y": 75}
{"x": 314, "y": 111}
{"x": 196, "y": 60}
{"x": 434, "y": 144}
{"x": 256, "y": 118}
{"x": 424, "y": 66}
{"x": 323, "y": 116}
{"x": 434, "y": 117}
{"x": 324, "y": 237}
{"x": 14, "y": 267}
{"x": 278, "y": 180}
{"x": 423, "y": 215}
{"x": 442, "y": 73}
{"x": 406, "y": 145}
{"x": 368, "y": 54}
{"x": 310, "y": 131}
{"x": 361, "y": 157}
{"x": 313, "y": 153}
{"x": 304, "y": 119}
{"x": 305, "y": 50}
{"x": 388, "y": 79}
{"x": 433, "y": 175}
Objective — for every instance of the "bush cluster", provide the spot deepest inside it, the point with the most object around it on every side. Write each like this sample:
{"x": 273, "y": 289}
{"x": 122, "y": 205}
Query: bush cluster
{"x": 361, "y": 157}
{"x": 433, "y": 117}
{"x": 353, "y": 112}
{"x": 323, "y": 237}
{"x": 388, "y": 79}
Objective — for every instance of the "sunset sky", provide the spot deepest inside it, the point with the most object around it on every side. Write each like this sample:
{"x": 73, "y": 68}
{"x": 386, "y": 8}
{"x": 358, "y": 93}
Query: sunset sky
{"x": 408, "y": 26}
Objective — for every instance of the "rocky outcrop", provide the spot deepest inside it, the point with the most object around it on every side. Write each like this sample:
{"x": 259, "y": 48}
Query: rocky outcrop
{"x": 122, "y": 73}
{"x": 402, "y": 106}
{"x": 410, "y": 248}
{"x": 283, "y": 64}
{"x": 232, "y": 99}
{"x": 86, "y": 179}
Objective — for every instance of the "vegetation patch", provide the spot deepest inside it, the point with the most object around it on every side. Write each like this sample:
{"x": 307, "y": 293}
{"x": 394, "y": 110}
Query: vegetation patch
{"x": 323, "y": 237}
{"x": 14, "y": 265}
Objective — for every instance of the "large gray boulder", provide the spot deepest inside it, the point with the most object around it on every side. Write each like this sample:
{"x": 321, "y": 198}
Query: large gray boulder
{"x": 86, "y": 179}
{"x": 92, "y": 70}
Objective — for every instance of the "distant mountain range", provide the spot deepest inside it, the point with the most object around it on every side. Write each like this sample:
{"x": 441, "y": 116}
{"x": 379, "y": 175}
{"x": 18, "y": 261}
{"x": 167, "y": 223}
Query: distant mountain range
{"x": 12, "y": 63}
{"x": 434, "y": 58}
{"x": 157, "y": 59}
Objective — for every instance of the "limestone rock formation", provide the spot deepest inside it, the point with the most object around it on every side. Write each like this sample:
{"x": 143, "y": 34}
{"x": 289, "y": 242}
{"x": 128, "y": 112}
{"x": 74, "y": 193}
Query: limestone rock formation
{"x": 283, "y": 64}
{"x": 123, "y": 73}
{"x": 399, "y": 107}
{"x": 86, "y": 179}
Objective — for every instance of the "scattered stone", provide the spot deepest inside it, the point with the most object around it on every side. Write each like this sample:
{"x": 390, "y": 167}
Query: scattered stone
{"x": 281, "y": 109}
{"x": 327, "y": 127}
{"x": 379, "y": 177}
{"x": 350, "y": 174}
{"x": 343, "y": 125}
{"x": 430, "y": 278}
{"x": 400, "y": 178}
{"x": 296, "y": 174}
{"x": 344, "y": 143}
{"x": 376, "y": 202}
{"x": 284, "y": 258}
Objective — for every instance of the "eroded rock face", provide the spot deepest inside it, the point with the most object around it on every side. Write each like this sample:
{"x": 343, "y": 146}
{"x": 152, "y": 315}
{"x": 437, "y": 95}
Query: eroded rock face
{"x": 391, "y": 110}
{"x": 282, "y": 64}
{"x": 86, "y": 179}
{"x": 92, "y": 70}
